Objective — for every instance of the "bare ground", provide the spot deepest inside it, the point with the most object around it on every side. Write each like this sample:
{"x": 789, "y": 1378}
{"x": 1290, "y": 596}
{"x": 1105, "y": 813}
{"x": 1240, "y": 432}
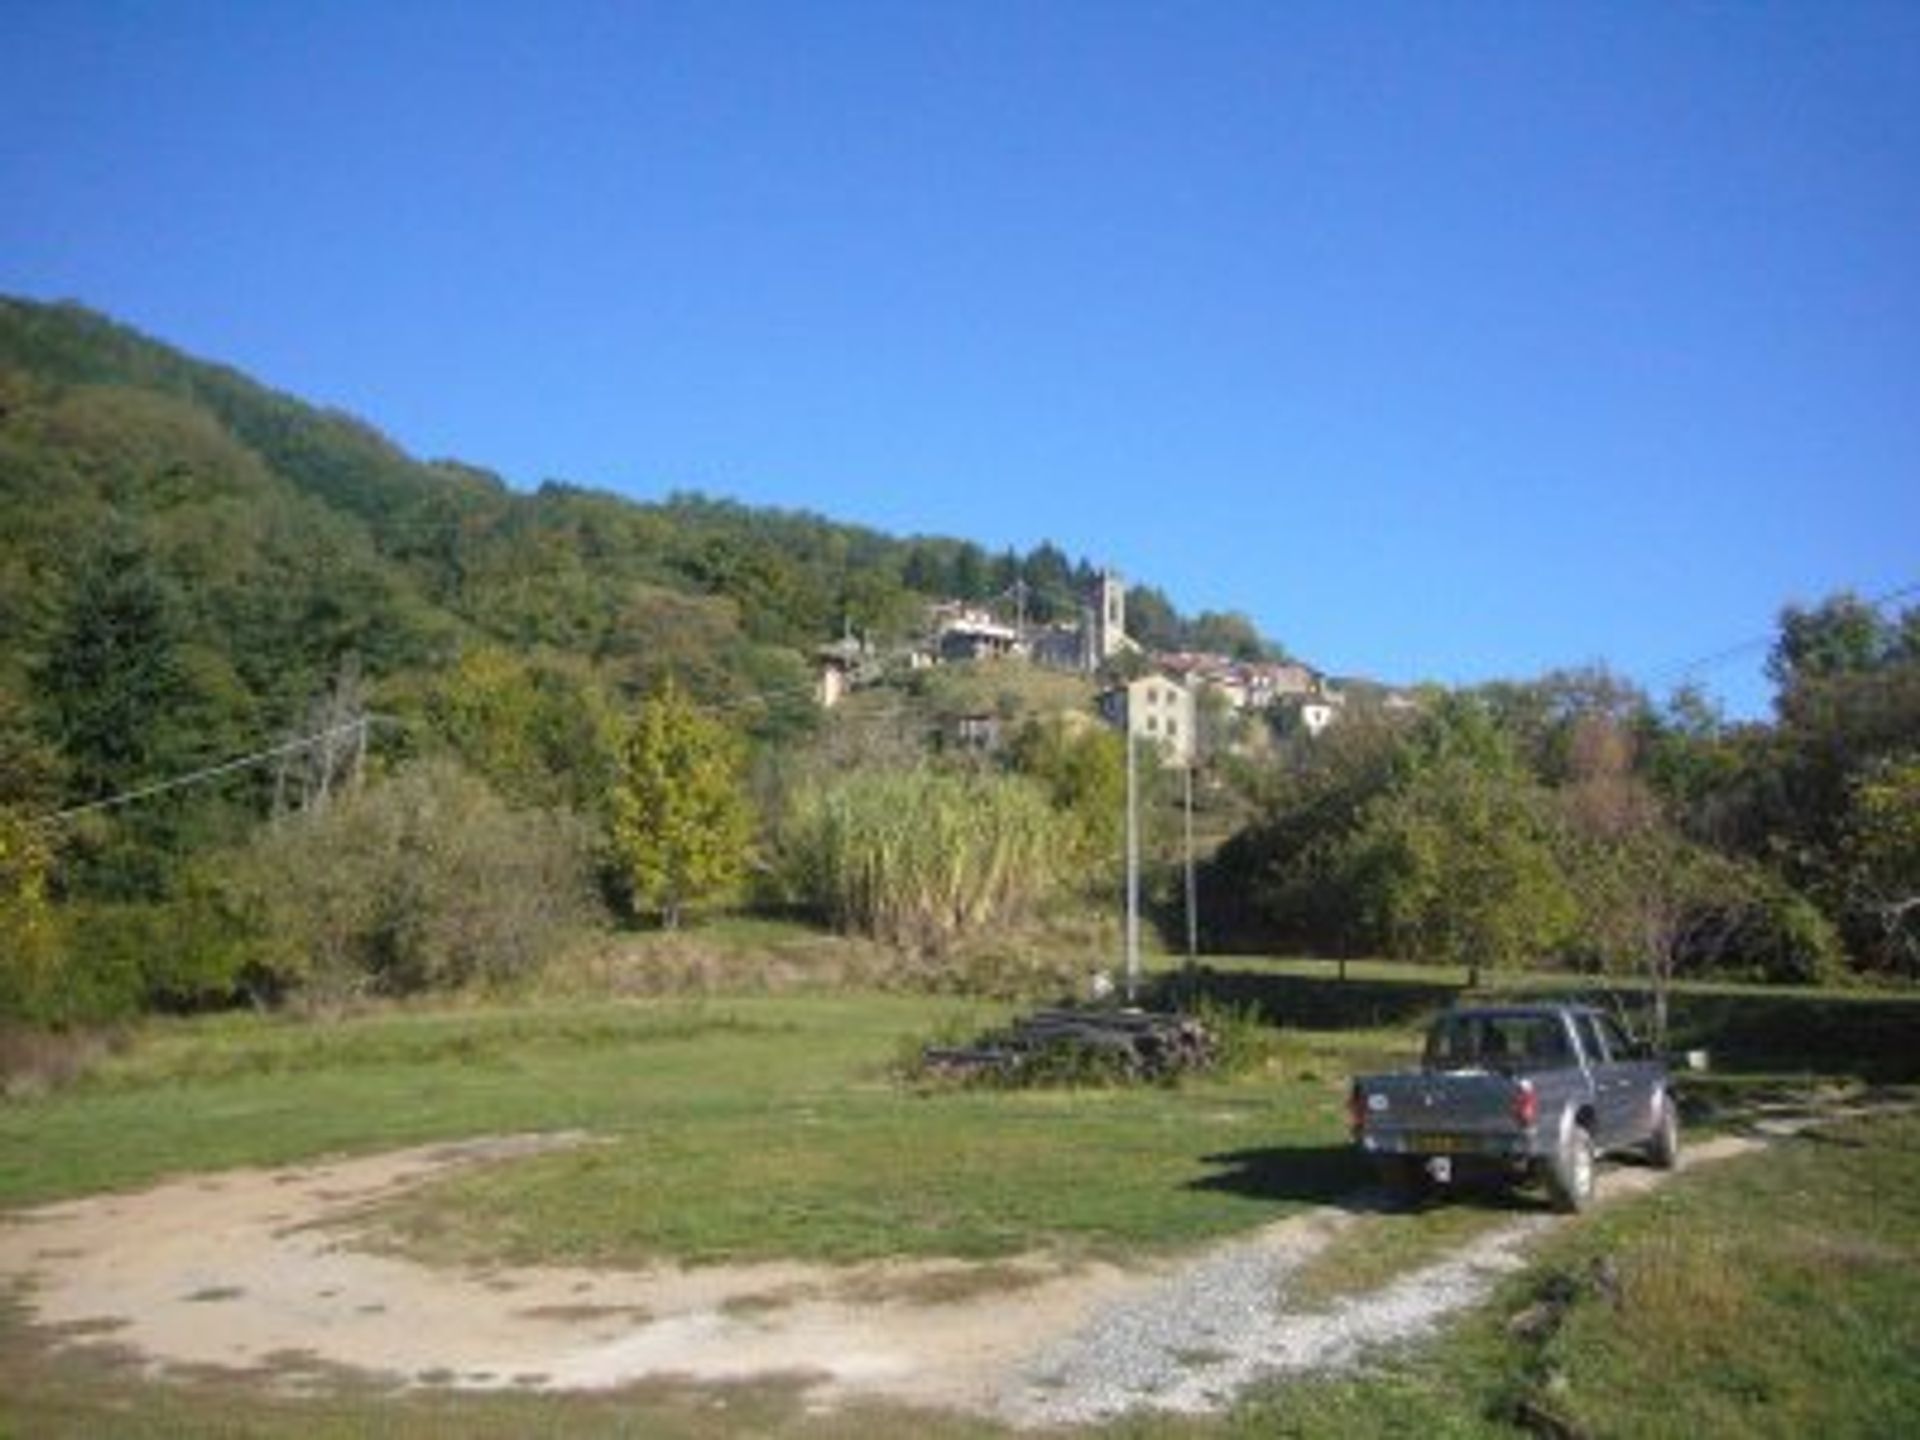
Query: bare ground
{"x": 242, "y": 1269}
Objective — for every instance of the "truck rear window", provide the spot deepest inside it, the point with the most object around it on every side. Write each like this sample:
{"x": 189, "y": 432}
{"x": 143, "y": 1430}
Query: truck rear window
{"x": 1498, "y": 1042}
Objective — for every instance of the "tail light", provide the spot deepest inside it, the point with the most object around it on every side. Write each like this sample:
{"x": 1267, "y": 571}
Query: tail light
{"x": 1526, "y": 1105}
{"x": 1356, "y": 1110}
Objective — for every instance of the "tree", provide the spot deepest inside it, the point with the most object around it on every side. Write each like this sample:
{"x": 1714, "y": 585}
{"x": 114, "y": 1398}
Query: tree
{"x": 1226, "y": 633}
{"x": 30, "y": 769}
{"x": 1841, "y": 635}
{"x": 875, "y": 603}
{"x": 127, "y": 702}
{"x": 1285, "y": 880}
{"x": 681, "y": 827}
{"x": 1051, "y": 591}
{"x": 1654, "y": 902}
{"x": 1454, "y": 859}
{"x": 29, "y": 943}
{"x": 540, "y": 730}
{"x": 1151, "y": 618}
{"x": 113, "y": 676}
{"x": 1084, "y": 772}
{"x": 969, "y": 571}
{"x": 1882, "y": 856}
{"x": 1458, "y": 867}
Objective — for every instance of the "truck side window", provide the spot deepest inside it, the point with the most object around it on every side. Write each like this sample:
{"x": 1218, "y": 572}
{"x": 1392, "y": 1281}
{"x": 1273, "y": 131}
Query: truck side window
{"x": 1617, "y": 1041}
{"x": 1547, "y": 1043}
{"x": 1590, "y": 1039}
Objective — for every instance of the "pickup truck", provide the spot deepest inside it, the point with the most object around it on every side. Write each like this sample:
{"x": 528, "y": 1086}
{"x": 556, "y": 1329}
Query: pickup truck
{"x": 1517, "y": 1092}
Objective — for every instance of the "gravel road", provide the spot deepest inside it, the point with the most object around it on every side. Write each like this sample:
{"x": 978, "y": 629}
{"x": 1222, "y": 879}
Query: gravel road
{"x": 242, "y": 1269}
{"x": 1232, "y": 1317}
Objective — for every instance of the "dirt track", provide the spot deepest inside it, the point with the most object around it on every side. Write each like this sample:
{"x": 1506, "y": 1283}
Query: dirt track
{"x": 256, "y": 1269}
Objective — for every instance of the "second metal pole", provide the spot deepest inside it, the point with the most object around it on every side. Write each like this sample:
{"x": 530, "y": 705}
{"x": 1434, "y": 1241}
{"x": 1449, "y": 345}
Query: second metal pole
{"x": 1133, "y": 872}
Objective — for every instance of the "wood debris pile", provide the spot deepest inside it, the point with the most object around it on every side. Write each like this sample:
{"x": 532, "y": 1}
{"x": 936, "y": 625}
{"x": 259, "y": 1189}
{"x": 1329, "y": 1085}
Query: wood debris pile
{"x": 1069, "y": 1045}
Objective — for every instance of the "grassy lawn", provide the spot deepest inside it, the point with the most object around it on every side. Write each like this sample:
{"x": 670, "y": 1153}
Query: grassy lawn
{"x": 1771, "y": 1295}
{"x": 752, "y": 1127}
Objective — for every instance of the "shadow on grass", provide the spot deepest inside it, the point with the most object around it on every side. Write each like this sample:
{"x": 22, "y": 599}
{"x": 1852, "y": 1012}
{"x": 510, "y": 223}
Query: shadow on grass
{"x": 1309, "y": 1174}
{"x": 1869, "y": 1037}
{"x": 1864, "y": 1035}
{"x": 1335, "y": 1175}
{"x": 1307, "y": 1001}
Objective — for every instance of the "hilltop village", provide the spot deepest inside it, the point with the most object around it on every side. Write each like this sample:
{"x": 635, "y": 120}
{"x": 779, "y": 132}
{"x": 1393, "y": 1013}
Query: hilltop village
{"x": 1187, "y": 703}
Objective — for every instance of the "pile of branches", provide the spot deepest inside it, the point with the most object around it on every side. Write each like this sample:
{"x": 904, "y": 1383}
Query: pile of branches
{"x": 1078, "y": 1046}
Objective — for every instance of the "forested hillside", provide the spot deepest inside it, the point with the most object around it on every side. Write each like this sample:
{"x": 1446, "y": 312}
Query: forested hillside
{"x": 280, "y": 538}
{"x": 197, "y": 569}
{"x": 285, "y": 710}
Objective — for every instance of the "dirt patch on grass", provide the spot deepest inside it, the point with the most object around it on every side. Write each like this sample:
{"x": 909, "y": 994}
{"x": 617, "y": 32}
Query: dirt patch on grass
{"x": 244, "y": 1270}
{"x": 263, "y": 1272}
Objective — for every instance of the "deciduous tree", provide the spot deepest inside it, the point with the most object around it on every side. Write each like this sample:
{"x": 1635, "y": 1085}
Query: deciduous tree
{"x": 1457, "y": 863}
{"x": 1882, "y": 855}
{"x": 29, "y": 943}
{"x": 681, "y": 826}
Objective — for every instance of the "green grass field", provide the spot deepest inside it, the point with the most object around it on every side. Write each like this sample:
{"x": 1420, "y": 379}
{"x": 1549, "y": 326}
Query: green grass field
{"x": 1770, "y": 1295}
{"x": 753, "y": 1127}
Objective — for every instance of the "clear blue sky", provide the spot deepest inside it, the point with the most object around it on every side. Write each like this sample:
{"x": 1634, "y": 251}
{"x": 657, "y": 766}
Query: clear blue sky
{"x": 1449, "y": 341}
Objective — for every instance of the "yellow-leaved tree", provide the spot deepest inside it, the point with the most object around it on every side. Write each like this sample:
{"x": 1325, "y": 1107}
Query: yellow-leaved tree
{"x": 29, "y": 943}
{"x": 681, "y": 824}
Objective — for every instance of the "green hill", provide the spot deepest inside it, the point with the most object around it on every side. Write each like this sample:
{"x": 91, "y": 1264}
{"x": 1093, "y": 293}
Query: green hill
{"x": 191, "y": 560}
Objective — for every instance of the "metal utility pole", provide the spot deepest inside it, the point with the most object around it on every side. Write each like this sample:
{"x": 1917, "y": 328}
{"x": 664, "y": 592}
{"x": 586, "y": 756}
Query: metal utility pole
{"x": 1133, "y": 865}
{"x": 1193, "y": 902}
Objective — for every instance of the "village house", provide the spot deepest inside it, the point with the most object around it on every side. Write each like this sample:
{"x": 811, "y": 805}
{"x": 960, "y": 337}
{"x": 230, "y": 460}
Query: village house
{"x": 965, "y": 632}
{"x": 1156, "y": 708}
{"x": 1163, "y": 706}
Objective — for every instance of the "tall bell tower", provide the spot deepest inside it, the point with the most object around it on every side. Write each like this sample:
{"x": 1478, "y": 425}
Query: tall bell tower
{"x": 1108, "y": 602}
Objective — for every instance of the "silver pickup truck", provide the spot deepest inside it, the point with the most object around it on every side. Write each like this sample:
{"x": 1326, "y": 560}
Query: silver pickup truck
{"x": 1518, "y": 1092}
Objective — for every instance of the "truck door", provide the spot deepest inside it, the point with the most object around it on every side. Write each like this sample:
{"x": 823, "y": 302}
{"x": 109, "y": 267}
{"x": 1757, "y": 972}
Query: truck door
{"x": 1616, "y": 1112}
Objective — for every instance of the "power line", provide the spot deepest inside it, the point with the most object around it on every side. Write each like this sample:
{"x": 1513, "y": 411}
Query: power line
{"x": 1747, "y": 647}
{"x": 225, "y": 767}
{"x": 348, "y": 727}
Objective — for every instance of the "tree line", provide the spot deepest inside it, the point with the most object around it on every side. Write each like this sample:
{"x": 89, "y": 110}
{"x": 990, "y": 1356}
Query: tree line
{"x": 479, "y": 720}
{"x": 1571, "y": 821}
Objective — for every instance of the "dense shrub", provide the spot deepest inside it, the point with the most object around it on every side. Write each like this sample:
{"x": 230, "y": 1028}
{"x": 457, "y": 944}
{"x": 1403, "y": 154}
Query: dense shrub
{"x": 1784, "y": 937}
{"x": 427, "y": 880}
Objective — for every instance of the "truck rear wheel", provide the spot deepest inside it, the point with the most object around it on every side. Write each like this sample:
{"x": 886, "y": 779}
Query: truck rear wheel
{"x": 1570, "y": 1172}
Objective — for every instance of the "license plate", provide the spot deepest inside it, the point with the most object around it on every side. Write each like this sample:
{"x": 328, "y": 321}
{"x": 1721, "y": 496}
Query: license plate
{"x": 1439, "y": 1144}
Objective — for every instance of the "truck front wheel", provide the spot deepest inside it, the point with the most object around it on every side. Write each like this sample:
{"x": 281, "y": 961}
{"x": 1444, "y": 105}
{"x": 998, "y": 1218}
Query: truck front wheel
{"x": 1570, "y": 1172}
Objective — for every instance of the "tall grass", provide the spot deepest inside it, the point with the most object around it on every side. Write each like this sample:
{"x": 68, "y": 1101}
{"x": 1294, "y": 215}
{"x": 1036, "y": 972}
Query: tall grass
{"x": 920, "y": 858}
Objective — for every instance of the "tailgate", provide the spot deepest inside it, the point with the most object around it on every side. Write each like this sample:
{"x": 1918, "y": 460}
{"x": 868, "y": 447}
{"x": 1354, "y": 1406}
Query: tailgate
{"x": 1465, "y": 1112}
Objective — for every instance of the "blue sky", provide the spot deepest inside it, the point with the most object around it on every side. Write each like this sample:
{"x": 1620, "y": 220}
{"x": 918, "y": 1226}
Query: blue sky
{"x": 1451, "y": 341}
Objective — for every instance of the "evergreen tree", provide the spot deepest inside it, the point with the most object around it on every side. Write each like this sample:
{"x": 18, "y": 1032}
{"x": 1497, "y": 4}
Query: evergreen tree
{"x": 113, "y": 677}
{"x": 681, "y": 827}
{"x": 969, "y": 572}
